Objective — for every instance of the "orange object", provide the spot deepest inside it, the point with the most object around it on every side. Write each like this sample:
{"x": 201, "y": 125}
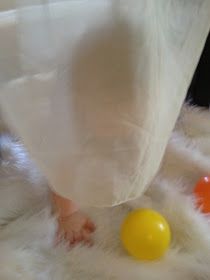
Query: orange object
{"x": 202, "y": 192}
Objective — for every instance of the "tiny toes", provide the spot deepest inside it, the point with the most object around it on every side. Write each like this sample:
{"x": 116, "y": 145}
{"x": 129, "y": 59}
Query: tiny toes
{"x": 87, "y": 237}
{"x": 78, "y": 237}
{"x": 70, "y": 237}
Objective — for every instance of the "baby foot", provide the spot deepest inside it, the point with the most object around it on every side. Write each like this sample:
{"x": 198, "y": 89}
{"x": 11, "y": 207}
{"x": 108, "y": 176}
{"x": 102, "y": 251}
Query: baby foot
{"x": 75, "y": 228}
{"x": 73, "y": 225}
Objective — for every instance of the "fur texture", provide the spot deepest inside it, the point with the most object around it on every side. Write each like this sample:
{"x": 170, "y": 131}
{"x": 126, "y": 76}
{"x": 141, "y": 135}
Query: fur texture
{"x": 27, "y": 228}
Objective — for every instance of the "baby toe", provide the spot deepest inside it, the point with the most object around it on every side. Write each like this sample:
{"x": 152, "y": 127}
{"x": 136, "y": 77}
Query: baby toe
{"x": 78, "y": 237}
{"x": 87, "y": 237}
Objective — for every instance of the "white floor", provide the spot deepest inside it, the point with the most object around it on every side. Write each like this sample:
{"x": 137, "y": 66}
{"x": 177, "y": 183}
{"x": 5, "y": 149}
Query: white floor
{"x": 27, "y": 228}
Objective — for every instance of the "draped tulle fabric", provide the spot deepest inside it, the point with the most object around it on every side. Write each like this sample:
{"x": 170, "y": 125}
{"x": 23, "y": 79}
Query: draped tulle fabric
{"x": 97, "y": 86}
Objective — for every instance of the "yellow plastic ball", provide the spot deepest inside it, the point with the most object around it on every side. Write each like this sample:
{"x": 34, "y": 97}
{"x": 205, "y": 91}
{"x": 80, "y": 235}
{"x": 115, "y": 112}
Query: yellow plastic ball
{"x": 145, "y": 234}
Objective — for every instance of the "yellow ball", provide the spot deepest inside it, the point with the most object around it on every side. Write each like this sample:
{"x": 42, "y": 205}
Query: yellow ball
{"x": 145, "y": 234}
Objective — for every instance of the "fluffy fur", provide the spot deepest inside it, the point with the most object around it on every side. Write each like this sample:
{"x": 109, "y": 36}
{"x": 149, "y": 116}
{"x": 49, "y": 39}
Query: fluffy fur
{"x": 27, "y": 228}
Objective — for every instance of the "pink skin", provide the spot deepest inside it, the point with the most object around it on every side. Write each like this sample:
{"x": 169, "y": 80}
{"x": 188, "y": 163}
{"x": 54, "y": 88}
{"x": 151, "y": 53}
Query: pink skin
{"x": 73, "y": 225}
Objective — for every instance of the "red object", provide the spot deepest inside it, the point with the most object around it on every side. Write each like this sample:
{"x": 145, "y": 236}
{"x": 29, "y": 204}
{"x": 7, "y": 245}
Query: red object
{"x": 202, "y": 192}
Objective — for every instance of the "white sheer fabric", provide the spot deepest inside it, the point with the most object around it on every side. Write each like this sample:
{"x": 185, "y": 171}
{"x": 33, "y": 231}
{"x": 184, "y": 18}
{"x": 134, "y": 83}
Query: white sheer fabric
{"x": 98, "y": 88}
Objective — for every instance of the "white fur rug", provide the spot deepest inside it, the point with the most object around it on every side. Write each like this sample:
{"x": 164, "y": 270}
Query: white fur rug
{"x": 27, "y": 228}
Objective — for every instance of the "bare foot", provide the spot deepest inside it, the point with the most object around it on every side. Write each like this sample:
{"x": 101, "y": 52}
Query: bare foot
{"x": 76, "y": 228}
{"x": 73, "y": 225}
